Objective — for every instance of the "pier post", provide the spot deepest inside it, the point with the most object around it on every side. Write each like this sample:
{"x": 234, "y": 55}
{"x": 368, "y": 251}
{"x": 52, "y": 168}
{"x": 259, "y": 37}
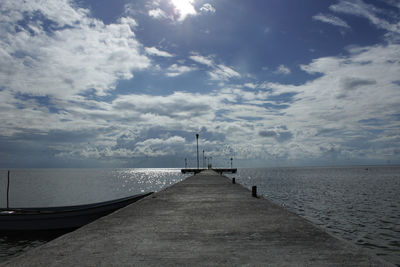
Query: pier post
{"x": 8, "y": 189}
{"x": 204, "y": 164}
{"x": 233, "y": 180}
{"x": 254, "y": 191}
{"x": 197, "y": 140}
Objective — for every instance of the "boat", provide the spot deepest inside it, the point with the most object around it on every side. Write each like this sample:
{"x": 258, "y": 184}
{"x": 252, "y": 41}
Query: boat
{"x": 65, "y": 217}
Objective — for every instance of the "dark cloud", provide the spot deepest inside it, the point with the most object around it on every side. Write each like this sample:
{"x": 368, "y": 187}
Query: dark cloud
{"x": 267, "y": 133}
{"x": 284, "y": 136}
{"x": 354, "y": 83}
{"x": 280, "y": 135}
{"x": 350, "y": 84}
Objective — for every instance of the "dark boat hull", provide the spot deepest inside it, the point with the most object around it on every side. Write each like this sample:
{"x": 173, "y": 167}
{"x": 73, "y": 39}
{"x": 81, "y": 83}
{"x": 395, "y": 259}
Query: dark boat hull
{"x": 60, "y": 217}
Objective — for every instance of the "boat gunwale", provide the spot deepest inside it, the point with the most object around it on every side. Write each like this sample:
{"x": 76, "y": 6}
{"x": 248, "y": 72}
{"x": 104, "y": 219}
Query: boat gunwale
{"x": 67, "y": 209}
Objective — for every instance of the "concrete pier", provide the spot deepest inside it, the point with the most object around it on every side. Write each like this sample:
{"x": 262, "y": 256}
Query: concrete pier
{"x": 218, "y": 170}
{"x": 204, "y": 220}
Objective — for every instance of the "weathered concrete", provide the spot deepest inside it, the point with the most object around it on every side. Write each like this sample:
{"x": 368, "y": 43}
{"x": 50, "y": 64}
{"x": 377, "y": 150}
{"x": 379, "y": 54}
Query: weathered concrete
{"x": 203, "y": 220}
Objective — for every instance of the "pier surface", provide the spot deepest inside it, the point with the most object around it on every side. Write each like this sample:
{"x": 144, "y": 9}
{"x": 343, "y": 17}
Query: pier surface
{"x": 203, "y": 220}
{"x": 218, "y": 170}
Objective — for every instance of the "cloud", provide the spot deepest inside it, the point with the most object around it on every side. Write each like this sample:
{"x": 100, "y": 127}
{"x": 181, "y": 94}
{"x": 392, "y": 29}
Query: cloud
{"x": 349, "y": 110}
{"x": 57, "y": 49}
{"x": 218, "y": 72}
{"x": 158, "y": 14}
{"x": 376, "y": 16}
{"x": 176, "y": 10}
{"x": 207, "y": 8}
{"x": 311, "y": 122}
{"x": 179, "y": 105}
{"x": 330, "y": 19}
{"x": 337, "y": 101}
{"x": 250, "y": 85}
{"x": 176, "y": 70}
{"x": 267, "y": 133}
{"x": 223, "y": 73}
{"x": 350, "y": 83}
{"x": 156, "y": 52}
{"x": 282, "y": 69}
{"x": 156, "y": 147}
{"x": 208, "y": 61}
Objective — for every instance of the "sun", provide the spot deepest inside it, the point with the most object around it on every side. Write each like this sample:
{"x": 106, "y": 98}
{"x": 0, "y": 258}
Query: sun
{"x": 184, "y": 8}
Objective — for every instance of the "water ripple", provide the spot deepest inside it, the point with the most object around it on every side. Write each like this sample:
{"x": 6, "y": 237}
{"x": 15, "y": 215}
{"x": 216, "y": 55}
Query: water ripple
{"x": 358, "y": 204}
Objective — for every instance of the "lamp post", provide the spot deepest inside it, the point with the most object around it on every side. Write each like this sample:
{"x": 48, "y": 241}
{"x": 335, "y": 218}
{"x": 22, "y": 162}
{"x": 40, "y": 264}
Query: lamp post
{"x": 197, "y": 140}
{"x": 231, "y": 162}
{"x": 203, "y": 160}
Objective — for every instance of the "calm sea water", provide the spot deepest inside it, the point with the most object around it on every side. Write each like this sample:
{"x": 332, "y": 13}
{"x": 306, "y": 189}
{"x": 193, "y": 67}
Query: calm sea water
{"x": 360, "y": 204}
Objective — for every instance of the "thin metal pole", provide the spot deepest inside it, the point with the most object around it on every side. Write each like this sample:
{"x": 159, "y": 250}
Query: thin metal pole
{"x": 203, "y": 160}
{"x": 197, "y": 140}
{"x": 8, "y": 189}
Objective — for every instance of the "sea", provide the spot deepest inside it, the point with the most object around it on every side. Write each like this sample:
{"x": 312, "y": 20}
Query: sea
{"x": 359, "y": 203}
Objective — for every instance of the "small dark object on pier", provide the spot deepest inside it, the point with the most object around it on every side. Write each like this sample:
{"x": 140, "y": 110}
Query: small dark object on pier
{"x": 254, "y": 191}
{"x": 233, "y": 180}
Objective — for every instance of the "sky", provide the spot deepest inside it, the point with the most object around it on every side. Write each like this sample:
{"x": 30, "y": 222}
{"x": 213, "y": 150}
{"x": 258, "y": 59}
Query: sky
{"x": 96, "y": 83}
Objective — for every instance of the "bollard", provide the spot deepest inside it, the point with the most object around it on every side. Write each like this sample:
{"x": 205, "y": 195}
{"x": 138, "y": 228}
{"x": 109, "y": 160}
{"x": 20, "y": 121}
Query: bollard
{"x": 233, "y": 180}
{"x": 254, "y": 191}
{"x": 8, "y": 189}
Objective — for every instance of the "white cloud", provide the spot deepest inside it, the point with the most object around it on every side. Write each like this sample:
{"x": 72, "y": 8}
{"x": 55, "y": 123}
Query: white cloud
{"x": 330, "y": 19}
{"x": 219, "y": 72}
{"x": 156, "y": 52}
{"x": 351, "y": 92}
{"x": 158, "y": 147}
{"x": 158, "y": 14}
{"x": 250, "y": 85}
{"x": 370, "y": 12}
{"x": 332, "y": 114}
{"x": 176, "y": 10}
{"x": 208, "y": 8}
{"x": 176, "y": 70}
{"x": 223, "y": 73}
{"x": 282, "y": 69}
{"x": 202, "y": 60}
{"x": 79, "y": 54}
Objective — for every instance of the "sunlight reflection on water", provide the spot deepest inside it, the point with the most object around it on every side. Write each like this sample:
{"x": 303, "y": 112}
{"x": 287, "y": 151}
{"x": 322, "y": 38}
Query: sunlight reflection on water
{"x": 63, "y": 187}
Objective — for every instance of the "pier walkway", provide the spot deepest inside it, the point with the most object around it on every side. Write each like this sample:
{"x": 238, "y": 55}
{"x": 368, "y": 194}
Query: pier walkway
{"x": 204, "y": 220}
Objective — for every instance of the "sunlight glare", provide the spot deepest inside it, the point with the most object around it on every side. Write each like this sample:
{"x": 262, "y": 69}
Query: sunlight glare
{"x": 184, "y": 8}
